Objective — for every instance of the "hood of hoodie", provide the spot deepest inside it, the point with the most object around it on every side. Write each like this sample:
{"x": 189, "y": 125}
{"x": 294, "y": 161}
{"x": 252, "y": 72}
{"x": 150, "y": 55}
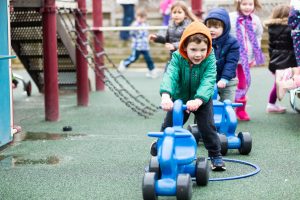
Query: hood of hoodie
{"x": 192, "y": 29}
{"x": 222, "y": 15}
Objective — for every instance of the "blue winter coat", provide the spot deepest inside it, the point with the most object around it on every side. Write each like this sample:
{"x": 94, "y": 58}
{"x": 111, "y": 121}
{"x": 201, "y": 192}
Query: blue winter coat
{"x": 226, "y": 47}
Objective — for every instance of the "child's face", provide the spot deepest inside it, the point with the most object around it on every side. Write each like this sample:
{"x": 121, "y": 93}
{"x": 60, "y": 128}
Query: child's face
{"x": 196, "y": 52}
{"x": 178, "y": 15}
{"x": 215, "y": 31}
{"x": 247, "y": 7}
{"x": 141, "y": 19}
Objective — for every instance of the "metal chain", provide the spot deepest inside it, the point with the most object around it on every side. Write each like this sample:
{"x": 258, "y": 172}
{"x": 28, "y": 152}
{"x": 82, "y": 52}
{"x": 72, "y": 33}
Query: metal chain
{"x": 112, "y": 81}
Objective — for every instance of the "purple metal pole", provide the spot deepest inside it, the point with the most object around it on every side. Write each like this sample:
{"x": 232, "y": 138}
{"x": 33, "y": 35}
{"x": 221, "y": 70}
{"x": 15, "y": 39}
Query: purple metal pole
{"x": 99, "y": 60}
{"x": 50, "y": 61}
{"x": 81, "y": 50}
{"x": 197, "y": 8}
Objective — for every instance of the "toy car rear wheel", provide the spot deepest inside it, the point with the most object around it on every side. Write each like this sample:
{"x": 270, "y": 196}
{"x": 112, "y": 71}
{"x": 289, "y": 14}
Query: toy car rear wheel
{"x": 154, "y": 166}
{"x": 148, "y": 186}
{"x": 202, "y": 171}
{"x": 246, "y": 143}
{"x": 184, "y": 187}
{"x": 193, "y": 128}
{"x": 224, "y": 144}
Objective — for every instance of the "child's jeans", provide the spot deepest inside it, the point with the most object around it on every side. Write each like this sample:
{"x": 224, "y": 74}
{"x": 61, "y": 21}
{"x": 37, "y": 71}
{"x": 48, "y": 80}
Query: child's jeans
{"x": 135, "y": 54}
{"x": 206, "y": 126}
{"x": 229, "y": 91}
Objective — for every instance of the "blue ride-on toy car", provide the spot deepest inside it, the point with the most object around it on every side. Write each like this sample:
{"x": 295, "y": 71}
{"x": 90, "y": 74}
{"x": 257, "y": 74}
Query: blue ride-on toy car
{"x": 226, "y": 123}
{"x": 170, "y": 172}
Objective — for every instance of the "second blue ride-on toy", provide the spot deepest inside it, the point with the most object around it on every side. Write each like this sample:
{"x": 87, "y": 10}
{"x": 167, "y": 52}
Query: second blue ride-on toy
{"x": 226, "y": 123}
{"x": 170, "y": 172}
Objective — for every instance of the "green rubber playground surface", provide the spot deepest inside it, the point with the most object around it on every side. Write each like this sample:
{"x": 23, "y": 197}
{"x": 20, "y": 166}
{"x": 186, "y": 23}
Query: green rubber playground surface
{"x": 105, "y": 154}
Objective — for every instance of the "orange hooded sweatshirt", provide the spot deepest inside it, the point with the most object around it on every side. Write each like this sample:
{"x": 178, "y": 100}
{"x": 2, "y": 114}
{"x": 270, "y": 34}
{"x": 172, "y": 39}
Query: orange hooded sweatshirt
{"x": 194, "y": 28}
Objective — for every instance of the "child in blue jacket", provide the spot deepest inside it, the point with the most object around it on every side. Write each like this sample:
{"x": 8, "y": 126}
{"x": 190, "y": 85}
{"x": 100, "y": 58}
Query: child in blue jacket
{"x": 226, "y": 49}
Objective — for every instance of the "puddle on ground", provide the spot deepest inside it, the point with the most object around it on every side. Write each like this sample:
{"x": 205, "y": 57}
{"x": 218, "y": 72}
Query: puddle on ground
{"x": 10, "y": 161}
{"x": 32, "y": 136}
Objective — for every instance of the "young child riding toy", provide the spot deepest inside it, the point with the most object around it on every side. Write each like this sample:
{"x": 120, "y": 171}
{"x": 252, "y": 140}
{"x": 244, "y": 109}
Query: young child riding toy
{"x": 191, "y": 76}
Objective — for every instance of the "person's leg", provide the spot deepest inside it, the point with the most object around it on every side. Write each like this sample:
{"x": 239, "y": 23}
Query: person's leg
{"x": 273, "y": 95}
{"x": 128, "y": 17}
{"x": 229, "y": 91}
{"x": 166, "y": 19}
{"x": 148, "y": 60}
{"x": 205, "y": 122}
{"x": 132, "y": 58}
{"x": 272, "y": 107}
{"x": 241, "y": 111}
{"x": 296, "y": 43}
{"x": 206, "y": 126}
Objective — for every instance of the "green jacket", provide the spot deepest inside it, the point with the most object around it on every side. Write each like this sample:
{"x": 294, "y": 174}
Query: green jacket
{"x": 186, "y": 82}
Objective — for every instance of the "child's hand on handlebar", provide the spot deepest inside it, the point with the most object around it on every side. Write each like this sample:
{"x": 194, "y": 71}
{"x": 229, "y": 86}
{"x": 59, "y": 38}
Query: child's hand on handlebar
{"x": 193, "y": 105}
{"x": 166, "y": 102}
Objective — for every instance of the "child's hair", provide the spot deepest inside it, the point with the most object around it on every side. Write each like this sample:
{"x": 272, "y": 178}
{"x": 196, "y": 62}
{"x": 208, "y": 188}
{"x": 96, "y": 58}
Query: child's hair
{"x": 257, "y": 5}
{"x": 280, "y": 11}
{"x": 197, "y": 38}
{"x": 214, "y": 22}
{"x": 141, "y": 12}
{"x": 185, "y": 8}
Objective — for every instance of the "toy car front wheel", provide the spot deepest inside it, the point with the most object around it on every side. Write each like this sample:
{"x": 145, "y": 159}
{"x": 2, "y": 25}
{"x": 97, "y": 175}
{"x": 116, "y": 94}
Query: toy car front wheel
{"x": 148, "y": 186}
{"x": 246, "y": 143}
{"x": 193, "y": 128}
{"x": 154, "y": 166}
{"x": 224, "y": 144}
{"x": 184, "y": 187}
{"x": 202, "y": 171}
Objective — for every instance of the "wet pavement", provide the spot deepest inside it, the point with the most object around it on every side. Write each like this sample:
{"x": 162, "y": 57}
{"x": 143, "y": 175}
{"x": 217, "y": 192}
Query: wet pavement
{"x": 105, "y": 153}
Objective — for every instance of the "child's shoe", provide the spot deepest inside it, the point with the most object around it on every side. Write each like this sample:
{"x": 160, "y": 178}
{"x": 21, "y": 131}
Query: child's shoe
{"x": 122, "y": 67}
{"x": 273, "y": 108}
{"x": 153, "y": 149}
{"x": 152, "y": 74}
{"x": 241, "y": 113}
{"x": 217, "y": 163}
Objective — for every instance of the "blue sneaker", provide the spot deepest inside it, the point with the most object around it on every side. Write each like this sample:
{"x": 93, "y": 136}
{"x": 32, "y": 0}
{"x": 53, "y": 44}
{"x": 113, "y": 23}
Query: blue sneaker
{"x": 217, "y": 163}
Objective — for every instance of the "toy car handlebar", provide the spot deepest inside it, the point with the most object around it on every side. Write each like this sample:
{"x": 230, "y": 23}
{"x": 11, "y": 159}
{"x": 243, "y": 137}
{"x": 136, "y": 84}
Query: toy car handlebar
{"x": 177, "y": 133}
{"x": 227, "y": 102}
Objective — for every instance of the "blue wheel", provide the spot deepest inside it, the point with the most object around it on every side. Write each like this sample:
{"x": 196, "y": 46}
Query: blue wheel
{"x": 202, "y": 171}
{"x": 148, "y": 186}
{"x": 184, "y": 187}
{"x": 246, "y": 143}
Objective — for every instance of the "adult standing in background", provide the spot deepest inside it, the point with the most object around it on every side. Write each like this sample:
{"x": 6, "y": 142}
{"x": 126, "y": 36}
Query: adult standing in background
{"x": 128, "y": 16}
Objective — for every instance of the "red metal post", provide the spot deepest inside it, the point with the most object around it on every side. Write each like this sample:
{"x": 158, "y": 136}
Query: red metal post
{"x": 81, "y": 50}
{"x": 50, "y": 61}
{"x": 197, "y": 8}
{"x": 98, "y": 44}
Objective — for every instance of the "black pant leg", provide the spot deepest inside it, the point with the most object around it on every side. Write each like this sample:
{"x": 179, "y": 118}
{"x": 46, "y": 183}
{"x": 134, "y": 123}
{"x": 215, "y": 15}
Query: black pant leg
{"x": 205, "y": 122}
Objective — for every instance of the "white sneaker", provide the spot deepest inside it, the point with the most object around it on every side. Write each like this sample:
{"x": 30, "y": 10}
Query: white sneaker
{"x": 121, "y": 67}
{"x": 152, "y": 74}
{"x": 273, "y": 108}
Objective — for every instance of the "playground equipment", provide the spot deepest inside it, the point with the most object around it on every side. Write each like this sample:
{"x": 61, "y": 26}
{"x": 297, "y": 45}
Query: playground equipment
{"x": 226, "y": 123}
{"x": 6, "y": 114}
{"x": 170, "y": 172}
